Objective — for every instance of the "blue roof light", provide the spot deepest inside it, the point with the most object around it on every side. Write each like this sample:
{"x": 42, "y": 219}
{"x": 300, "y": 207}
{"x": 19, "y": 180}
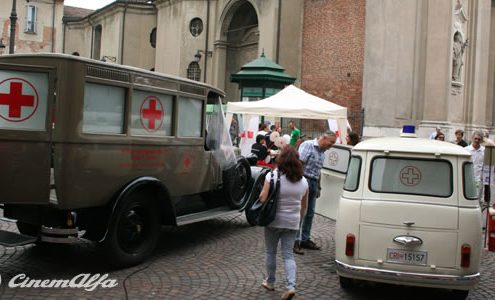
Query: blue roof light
{"x": 408, "y": 131}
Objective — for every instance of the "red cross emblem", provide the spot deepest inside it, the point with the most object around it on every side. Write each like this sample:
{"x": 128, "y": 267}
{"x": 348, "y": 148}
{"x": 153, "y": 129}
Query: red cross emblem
{"x": 333, "y": 158}
{"x": 152, "y": 114}
{"x": 19, "y": 102}
{"x": 410, "y": 176}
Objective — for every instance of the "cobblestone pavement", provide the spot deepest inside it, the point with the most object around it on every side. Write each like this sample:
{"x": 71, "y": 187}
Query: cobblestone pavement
{"x": 217, "y": 259}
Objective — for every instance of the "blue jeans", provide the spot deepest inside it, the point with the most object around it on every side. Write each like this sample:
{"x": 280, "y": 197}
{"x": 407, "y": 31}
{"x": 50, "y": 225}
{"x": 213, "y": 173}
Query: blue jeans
{"x": 287, "y": 237}
{"x": 307, "y": 221}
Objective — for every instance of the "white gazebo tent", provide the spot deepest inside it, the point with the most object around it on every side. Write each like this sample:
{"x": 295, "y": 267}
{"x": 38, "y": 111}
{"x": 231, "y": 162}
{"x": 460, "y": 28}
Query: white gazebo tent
{"x": 292, "y": 102}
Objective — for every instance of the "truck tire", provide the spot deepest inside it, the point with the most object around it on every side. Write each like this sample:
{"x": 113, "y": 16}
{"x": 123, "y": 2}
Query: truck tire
{"x": 253, "y": 196}
{"x": 133, "y": 231}
{"x": 28, "y": 229}
{"x": 236, "y": 182}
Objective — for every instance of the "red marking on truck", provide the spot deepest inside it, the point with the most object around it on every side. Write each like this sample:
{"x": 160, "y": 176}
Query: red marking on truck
{"x": 153, "y": 114}
{"x": 16, "y": 100}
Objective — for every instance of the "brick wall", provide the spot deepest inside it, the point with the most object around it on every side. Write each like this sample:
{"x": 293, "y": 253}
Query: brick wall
{"x": 333, "y": 53}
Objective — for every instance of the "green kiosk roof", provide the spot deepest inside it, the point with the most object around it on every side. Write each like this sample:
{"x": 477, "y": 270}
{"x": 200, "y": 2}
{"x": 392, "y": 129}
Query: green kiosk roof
{"x": 262, "y": 69}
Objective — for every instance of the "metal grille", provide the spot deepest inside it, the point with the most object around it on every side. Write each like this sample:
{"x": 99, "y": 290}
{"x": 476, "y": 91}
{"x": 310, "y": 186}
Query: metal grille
{"x": 194, "y": 71}
{"x": 107, "y": 74}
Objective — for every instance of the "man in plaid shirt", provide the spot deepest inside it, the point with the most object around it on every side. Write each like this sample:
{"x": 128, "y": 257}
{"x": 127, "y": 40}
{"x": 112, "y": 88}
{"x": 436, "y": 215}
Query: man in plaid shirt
{"x": 312, "y": 154}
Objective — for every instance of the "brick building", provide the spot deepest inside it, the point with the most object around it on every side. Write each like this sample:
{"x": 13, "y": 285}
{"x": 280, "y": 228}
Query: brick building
{"x": 333, "y": 55}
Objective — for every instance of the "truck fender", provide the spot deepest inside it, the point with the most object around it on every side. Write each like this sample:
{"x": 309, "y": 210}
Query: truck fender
{"x": 167, "y": 213}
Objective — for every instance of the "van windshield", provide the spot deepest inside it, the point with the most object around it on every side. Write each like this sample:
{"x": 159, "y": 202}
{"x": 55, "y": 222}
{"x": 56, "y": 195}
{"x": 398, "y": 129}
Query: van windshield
{"x": 411, "y": 176}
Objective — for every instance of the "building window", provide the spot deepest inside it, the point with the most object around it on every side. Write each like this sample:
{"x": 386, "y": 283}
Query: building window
{"x": 153, "y": 38}
{"x": 97, "y": 42}
{"x": 196, "y": 26}
{"x": 193, "y": 71}
{"x": 31, "y": 15}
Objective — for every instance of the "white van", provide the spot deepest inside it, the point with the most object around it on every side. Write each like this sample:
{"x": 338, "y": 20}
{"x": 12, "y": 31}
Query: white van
{"x": 409, "y": 215}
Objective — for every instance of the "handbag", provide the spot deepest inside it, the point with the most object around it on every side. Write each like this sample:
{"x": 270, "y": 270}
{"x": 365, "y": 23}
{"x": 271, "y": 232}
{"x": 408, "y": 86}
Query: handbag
{"x": 263, "y": 213}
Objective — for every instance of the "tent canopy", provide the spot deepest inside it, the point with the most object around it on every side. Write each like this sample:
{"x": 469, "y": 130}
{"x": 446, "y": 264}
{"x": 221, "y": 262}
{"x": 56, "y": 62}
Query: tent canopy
{"x": 291, "y": 102}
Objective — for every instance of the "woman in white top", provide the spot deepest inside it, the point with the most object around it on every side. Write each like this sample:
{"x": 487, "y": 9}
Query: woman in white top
{"x": 291, "y": 206}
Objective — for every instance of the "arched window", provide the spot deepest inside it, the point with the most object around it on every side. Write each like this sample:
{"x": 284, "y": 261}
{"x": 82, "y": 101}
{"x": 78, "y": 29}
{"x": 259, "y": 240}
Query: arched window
{"x": 153, "y": 38}
{"x": 193, "y": 71}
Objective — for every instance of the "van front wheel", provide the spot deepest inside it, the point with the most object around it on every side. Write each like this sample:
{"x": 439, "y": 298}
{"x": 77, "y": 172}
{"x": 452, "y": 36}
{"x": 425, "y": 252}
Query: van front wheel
{"x": 133, "y": 231}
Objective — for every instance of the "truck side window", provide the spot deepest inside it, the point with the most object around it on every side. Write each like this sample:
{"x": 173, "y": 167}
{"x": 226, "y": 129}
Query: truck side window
{"x": 103, "y": 108}
{"x": 151, "y": 114}
{"x": 352, "y": 179}
{"x": 190, "y": 117}
{"x": 23, "y": 100}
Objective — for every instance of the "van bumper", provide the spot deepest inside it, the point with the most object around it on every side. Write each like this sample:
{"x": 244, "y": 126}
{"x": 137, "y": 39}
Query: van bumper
{"x": 407, "y": 278}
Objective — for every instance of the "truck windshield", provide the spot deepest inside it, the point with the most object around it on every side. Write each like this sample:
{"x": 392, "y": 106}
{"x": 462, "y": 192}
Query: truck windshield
{"x": 217, "y": 136}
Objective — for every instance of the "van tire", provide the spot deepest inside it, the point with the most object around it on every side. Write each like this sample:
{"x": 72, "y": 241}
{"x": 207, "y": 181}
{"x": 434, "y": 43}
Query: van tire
{"x": 236, "y": 182}
{"x": 346, "y": 283}
{"x": 133, "y": 231}
{"x": 460, "y": 294}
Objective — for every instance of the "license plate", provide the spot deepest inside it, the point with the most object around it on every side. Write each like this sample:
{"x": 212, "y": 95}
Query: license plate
{"x": 399, "y": 256}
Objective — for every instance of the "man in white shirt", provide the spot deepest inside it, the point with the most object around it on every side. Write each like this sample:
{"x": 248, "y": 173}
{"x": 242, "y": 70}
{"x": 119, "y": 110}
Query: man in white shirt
{"x": 477, "y": 153}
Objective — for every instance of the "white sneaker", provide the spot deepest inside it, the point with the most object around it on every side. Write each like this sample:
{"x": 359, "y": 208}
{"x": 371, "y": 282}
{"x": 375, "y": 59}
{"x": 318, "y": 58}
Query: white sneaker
{"x": 289, "y": 294}
{"x": 268, "y": 286}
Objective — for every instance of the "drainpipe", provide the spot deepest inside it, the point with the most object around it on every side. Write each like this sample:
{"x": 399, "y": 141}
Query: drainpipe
{"x": 123, "y": 35}
{"x": 53, "y": 26}
{"x": 64, "y": 25}
{"x": 207, "y": 39}
{"x": 278, "y": 30}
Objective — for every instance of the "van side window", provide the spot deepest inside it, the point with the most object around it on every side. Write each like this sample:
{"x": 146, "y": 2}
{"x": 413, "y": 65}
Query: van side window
{"x": 151, "y": 114}
{"x": 470, "y": 190}
{"x": 103, "y": 108}
{"x": 352, "y": 179}
{"x": 411, "y": 176}
{"x": 190, "y": 117}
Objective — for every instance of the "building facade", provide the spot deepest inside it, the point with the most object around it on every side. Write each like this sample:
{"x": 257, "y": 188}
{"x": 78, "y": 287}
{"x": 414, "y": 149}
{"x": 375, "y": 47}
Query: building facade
{"x": 38, "y": 26}
{"x": 429, "y": 63}
{"x": 391, "y": 62}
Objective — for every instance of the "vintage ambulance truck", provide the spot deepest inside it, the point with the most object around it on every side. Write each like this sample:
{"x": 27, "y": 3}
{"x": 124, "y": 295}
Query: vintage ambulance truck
{"x": 110, "y": 153}
{"x": 409, "y": 215}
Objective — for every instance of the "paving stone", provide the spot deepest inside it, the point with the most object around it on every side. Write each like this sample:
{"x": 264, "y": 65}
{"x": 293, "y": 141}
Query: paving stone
{"x": 217, "y": 259}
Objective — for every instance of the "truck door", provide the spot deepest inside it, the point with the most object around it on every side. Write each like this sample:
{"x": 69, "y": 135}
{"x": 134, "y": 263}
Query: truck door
{"x": 25, "y": 129}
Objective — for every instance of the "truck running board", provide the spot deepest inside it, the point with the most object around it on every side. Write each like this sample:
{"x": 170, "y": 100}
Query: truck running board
{"x": 206, "y": 215}
{"x": 13, "y": 239}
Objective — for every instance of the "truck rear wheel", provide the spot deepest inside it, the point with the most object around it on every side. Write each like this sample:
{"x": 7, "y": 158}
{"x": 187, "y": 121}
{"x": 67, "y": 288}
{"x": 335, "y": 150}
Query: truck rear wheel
{"x": 236, "y": 182}
{"x": 133, "y": 231}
